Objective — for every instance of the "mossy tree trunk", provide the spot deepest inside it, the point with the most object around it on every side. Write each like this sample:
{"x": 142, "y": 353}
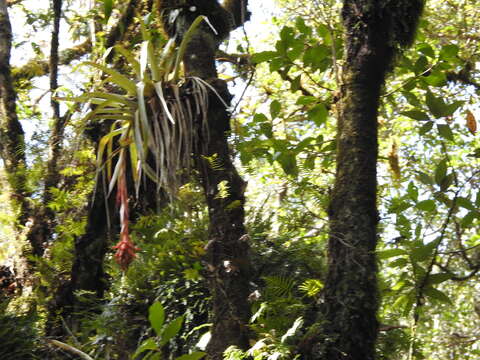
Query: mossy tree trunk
{"x": 227, "y": 251}
{"x": 12, "y": 139}
{"x": 375, "y": 30}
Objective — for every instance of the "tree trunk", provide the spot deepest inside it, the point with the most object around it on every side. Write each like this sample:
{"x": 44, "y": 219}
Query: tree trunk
{"x": 87, "y": 272}
{"x": 227, "y": 251}
{"x": 375, "y": 30}
{"x": 228, "y": 264}
{"x": 12, "y": 141}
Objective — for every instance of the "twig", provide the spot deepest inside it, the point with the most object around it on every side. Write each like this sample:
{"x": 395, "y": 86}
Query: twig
{"x": 70, "y": 348}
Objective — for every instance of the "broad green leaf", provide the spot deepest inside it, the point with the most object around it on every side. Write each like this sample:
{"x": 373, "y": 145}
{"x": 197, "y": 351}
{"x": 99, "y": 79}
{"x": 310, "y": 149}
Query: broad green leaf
{"x": 422, "y": 252}
{"x": 287, "y": 34}
{"x": 156, "y": 316}
{"x": 324, "y": 32}
{"x": 263, "y": 56}
{"x": 406, "y": 302}
{"x": 447, "y": 181}
{"x": 465, "y": 203}
{"x": 275, "y": 108}
{"x": 449, "y": 52}
{"x": 398, "y": 263}
{"x": 288, "y": 163}
{"x": 445, "y": 131}
{"x": 134, "y": 165}
{"x": 386, "y": 254}
{"x": 259, "y": 117}
{"x": 451, "y": 108}
{"x": 416, "y": 115}
{"x": 426, "y": 49}
{"x": 306, "y": 100}
{"x": 107, "y": 8}
{"x": 104, "y": 141}
{"x": 296, "y": 83}
{"x": 439, "y": 278}
{"x": 441, "y": 172}
{"x": 467, "y": 220}
{"x": 426, "y": 205}
{"x": 315, "y": 56}
{"x": 295, "y": 49}
{"x": 426, "y": 127}
{"x": 436, "y": 78}
{"x": 402, "y": 284}
{"x": 171, "y": 330}
{"x": 193, "y": 356}
{"x": 436, "y": 105}
{"x": 267, "y": 129}
{"x": 148, "y": 344}
{"x": 437, "y": 295}
{"x": 421, "y": 65}
{"x": 318, "y": 114}
{"x": 412, "y": 191}
{"x": 424, "y": 178}
{"x": 302, "y": 27}
{"x": 276, "y": 64}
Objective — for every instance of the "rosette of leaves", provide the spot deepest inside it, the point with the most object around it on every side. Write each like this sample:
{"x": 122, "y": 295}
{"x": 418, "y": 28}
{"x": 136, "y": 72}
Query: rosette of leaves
{"x": 157, "y": 121}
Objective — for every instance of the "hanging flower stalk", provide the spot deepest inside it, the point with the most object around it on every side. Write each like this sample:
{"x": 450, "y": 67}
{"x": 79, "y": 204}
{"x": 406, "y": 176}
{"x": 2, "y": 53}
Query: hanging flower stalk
{"x": 126, "y": 251}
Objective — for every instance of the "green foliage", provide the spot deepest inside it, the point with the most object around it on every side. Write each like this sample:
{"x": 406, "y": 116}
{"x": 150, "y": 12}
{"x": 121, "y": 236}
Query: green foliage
{"x": 19, "y": 336}
{"x": 164, "y": 333}
{"x": 270, "y": 347}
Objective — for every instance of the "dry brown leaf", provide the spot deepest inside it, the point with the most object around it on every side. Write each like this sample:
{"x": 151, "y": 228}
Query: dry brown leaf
{"x": 471, "y": 122}
{"x": 394, "y": 162}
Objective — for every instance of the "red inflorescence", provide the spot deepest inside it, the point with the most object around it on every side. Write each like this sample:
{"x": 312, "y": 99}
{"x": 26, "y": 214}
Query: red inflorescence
{"x": 126, "y": 251}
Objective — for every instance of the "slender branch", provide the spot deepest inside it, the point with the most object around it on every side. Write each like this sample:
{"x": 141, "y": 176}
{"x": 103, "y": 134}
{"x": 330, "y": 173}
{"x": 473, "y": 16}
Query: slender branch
{"x": 70, "y": 348}
{"x": 58, "y": 122}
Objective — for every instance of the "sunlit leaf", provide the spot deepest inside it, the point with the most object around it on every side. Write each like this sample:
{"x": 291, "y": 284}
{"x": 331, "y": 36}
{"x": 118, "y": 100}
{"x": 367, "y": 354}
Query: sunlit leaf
{"x": 148, "y": 344}
{"x": 156, "y": 316}
{"x": 171, "y": 330}
{"x": 386, "y": 254}
{"x": 416, "y": 115}
{"x": 193, "y": 356}
{"x": 426, "y": 205}
{"x": 115, "y": 77}
{"x": 437, "y": 295}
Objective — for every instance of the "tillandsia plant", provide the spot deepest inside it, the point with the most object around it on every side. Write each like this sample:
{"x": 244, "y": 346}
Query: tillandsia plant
{"x": 158, "y": 121}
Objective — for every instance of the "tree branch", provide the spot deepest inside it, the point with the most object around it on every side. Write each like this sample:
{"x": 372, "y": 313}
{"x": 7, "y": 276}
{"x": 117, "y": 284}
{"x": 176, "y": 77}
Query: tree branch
{"x": 35, "y": 67}
{"x": 239, "y": 11}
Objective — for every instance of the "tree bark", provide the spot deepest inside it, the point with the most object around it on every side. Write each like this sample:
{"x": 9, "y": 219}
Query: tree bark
{"x": 87, "y": 274}
{"x": 227, "y": 251}
{"x": 227, "y": 258}
{"x": 12, "y": 139}
{"x": 375, "y": 30}
{"x": 44, "y": 219}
